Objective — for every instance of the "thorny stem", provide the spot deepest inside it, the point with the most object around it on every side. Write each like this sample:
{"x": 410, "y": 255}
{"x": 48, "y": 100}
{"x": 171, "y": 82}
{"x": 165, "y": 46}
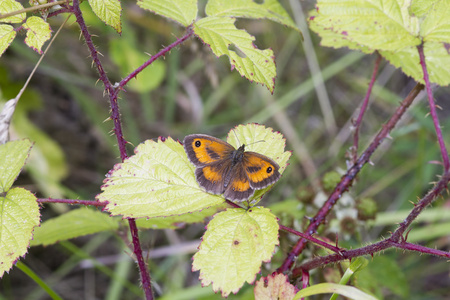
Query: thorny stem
{"x": 395, "y": 240}
{"x": 357, "y": 124}
{"x": 347, "y": 179}
{"x": 71, "y": 201}
{"x": 433, "y": 112}
{"x": 115, "y": 116}
{"x": 163, "y": 52}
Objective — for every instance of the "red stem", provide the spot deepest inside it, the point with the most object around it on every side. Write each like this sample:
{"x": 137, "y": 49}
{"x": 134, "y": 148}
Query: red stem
{"x": 115, "y": 116}
{"x": 395, "y": 240}
{"x": 433, "y": 112}
{"x": 162, "y": 52}
{"x": 347, "y": 179}
{"x": 357, "y": 124}
{"x": 71, "y": 201}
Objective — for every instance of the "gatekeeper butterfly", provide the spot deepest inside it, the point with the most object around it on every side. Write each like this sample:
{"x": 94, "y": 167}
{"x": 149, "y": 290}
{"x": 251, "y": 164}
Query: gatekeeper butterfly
{"x": 223, "y": 169}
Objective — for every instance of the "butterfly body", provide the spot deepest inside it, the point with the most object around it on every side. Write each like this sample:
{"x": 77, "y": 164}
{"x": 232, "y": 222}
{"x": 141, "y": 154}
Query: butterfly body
{"x": 222, "y": 169}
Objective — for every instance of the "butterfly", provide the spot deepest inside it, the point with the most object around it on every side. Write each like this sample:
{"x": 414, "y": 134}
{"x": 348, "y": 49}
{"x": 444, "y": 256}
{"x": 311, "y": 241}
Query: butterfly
{"x": 223, "y": 169}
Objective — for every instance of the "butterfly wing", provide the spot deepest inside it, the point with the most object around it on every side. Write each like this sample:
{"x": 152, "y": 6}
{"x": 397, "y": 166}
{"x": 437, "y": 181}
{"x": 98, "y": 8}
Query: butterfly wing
{"x": 203, "y": 149}
{"x": 239, "y": 188}
{"x": 260, "y": 170}
{"x": 212, "y": 176}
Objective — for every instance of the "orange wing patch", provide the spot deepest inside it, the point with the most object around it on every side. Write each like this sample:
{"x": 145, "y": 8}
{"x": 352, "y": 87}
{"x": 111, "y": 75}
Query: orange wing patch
{"x": 261, "y": 170}
{"x": 240, "y": 185}
{"x": 212, "y": 174}
{"x": 210, "y": 151}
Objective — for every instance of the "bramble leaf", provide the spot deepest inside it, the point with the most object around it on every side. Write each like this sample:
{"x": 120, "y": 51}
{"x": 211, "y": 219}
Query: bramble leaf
{"x": 12, "y": 159}
{"x": 233, "y": 247}
{"x": 183, "y": 12}
{"x": 19, "y": 211}
{"x": 75, "y": 223}
{"x": 269, "y": 9}
{"x": 19, "y": 214}
{"x": 157, "y": 181}
{"x": 9, "y": 6}
{"x": 276, "y": 286}
{"x": 7, "y": 35}
{"x": 391, "y": 27}
{"x": 108, "y": 11}
{"x": 222, "y": 36}
{"x": 38, "y": 32}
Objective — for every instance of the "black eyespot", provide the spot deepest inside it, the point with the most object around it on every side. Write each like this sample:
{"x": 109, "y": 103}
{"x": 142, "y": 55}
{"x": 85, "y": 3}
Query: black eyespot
{"x": 269, "y": 170}
{"x": 198, "y": 144}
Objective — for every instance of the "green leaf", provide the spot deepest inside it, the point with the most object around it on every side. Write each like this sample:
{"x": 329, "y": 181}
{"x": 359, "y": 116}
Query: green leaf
{"x": 75, "y": 223}
{"x": 183, "y": 12}
{"x": 381, "y": 274}
{"x": 332, "y": 39}
{"x": 378, "y": 25}
{"x": 421, "y": 7}
{"x": 233, "y": 247}
{"x": 275, "y": 286}
{"x": 7, "y": 35}
{"x": 326, "y": 288}
{"x": 158, "y": 181}
{"x": 38, "y": 32}
{"x": 19, "y": 214}
{"x": 269, "y": 9}
{"x": 222, "y": 36}
{"x": 357, "y": 264}
{"x": 8, "y": 6}
{"x": 108, "y": 11}
{"x": 12, "y": 159}
{"x": 437, "y": 58}
{"x": 436, "y": 26}
{"x": 147, "y": 80}
{"x": 392, "y": 28}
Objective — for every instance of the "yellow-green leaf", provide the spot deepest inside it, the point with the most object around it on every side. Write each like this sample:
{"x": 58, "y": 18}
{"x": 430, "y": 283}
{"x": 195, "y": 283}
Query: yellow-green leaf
{"x": 436, "y": 25}
{"x": 391, "y": 27}
{"x": 19, "y": 214}
{"x": 109, "y": 12}
{"x": 437, "y": 59}
{"x": 8, "y": 6}
{"x": 7, "y": 35}
{"x": 38, "y": 32}
{"x": 12, "y": 159}
{"x": 378, "y": 25}
{"x": 269, "y": 9}
{"x": 223, "y": 37}
{"x": 183, "y": 12}
{"x": 157, "y": 181}
{"x": 233, "y": 247}
{"x": 75, "y": 223}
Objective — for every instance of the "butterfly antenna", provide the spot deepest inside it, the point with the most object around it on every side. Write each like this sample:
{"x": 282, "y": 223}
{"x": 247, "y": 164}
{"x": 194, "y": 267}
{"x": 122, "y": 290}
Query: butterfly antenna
{"x": 237, "y": 137}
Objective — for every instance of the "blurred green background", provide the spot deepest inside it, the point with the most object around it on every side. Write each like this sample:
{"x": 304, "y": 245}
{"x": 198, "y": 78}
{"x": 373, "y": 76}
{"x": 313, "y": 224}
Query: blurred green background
{"x": 317, "y": 94}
